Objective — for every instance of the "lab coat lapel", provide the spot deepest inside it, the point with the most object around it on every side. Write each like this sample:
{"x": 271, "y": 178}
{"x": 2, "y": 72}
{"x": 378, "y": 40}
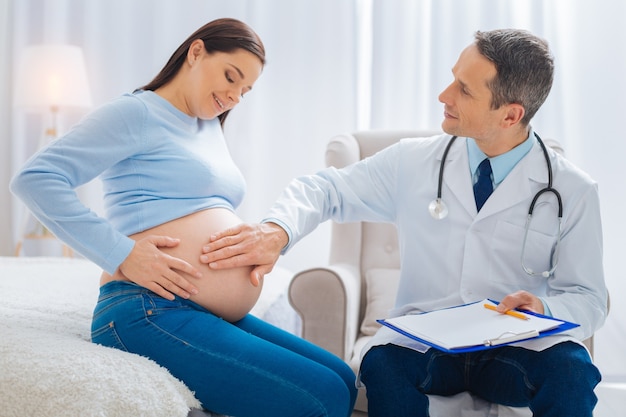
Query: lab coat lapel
{"x": 516, "y": 187}
{"x": 457, "y": 179}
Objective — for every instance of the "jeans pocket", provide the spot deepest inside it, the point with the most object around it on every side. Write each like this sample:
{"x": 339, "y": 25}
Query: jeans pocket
{"x": 107, "y": 336}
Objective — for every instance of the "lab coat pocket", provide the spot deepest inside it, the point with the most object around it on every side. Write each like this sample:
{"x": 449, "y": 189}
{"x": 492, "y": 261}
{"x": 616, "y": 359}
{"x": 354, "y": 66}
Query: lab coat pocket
{"x": 507, "y": 244}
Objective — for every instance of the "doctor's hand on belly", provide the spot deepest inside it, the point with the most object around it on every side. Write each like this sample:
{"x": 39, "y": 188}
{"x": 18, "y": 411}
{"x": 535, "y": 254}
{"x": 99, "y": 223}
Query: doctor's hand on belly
{"x": 253, "y": 245}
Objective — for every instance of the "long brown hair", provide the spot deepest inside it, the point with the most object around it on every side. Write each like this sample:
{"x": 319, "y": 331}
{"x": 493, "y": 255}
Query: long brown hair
{"x": 220, "y": 35}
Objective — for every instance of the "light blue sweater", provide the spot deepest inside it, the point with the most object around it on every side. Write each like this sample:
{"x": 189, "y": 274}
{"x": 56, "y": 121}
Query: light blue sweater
{"x": 156, "y": 164}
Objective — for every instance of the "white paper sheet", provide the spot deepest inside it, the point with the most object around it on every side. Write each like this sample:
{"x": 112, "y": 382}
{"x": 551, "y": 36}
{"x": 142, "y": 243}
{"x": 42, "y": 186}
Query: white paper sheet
{"x": 471, "y": 325}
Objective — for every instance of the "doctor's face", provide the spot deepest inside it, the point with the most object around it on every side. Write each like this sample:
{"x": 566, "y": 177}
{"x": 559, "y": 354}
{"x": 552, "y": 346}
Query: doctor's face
{"x": 467, "y": 100}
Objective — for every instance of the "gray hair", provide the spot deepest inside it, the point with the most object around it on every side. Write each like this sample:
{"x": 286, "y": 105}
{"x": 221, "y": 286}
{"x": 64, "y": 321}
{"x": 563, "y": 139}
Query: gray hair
{"x": 524, "y": 65}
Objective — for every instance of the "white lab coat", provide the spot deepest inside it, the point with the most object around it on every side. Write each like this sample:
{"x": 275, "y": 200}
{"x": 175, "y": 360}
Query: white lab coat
{"x": 467, "y": 256}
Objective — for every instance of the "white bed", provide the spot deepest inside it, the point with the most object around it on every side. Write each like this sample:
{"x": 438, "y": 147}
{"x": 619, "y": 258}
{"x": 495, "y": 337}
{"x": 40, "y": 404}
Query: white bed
{"x": 48, "y": 366}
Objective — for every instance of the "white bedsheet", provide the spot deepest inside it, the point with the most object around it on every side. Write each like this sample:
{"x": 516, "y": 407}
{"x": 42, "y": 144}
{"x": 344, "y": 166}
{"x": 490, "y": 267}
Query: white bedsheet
{"x": 48, "y": 366}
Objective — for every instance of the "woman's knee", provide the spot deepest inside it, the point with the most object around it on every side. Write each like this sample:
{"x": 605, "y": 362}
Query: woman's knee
{"x": 323, "y": 389}
{"x": 331, "y": 397}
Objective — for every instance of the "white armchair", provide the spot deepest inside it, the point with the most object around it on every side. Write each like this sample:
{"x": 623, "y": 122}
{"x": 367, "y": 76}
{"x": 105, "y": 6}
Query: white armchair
{"x": 339, "y": 303}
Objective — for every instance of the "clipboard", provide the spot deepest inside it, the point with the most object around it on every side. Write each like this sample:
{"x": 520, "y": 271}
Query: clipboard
{"x": 472, "y": 327}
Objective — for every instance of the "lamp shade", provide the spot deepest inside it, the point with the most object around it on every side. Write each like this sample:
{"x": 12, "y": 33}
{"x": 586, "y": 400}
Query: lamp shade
{"x": 51, "y": 76}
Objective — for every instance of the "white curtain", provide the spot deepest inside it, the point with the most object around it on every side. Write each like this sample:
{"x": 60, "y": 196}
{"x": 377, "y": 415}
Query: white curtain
{"x": 336, "y": 66}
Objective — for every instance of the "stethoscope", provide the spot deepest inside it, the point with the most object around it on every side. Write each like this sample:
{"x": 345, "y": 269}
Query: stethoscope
{"x": 439, "y": 210}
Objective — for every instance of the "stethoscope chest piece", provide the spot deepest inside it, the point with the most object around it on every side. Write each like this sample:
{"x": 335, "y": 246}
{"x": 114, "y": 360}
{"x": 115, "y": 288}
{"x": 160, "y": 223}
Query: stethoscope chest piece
{"x": 438, "y": 209}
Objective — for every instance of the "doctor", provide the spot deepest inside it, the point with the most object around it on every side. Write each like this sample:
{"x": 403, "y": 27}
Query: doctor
{"x": 475, "y": 251}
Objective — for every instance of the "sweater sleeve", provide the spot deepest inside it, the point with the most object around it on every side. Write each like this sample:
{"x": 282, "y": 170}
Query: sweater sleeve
{"x": 47, "y": 181}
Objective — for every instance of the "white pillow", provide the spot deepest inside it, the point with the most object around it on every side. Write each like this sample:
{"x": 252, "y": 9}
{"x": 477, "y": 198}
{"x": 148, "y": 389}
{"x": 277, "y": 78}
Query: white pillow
{"x": 381, "y": 288}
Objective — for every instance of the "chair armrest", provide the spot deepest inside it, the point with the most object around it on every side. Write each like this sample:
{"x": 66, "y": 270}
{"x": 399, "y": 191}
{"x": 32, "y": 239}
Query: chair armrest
{"x": 328, "y": 300}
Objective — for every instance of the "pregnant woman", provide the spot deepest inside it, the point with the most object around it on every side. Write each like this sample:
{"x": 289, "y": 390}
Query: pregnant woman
{"x": 169, "y": 184}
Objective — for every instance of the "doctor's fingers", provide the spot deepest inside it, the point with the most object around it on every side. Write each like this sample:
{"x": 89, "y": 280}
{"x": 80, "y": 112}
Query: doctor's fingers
{"x": 259, "y": 272}
{"x": 233, "y": 258}
{"x": 242, "y": 251}
{"x": 522, "y": 300}
{"x": 228, "y": 237}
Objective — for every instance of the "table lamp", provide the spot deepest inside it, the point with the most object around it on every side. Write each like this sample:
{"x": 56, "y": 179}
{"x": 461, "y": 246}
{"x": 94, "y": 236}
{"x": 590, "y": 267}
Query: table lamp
{"x": 49, "y": 78}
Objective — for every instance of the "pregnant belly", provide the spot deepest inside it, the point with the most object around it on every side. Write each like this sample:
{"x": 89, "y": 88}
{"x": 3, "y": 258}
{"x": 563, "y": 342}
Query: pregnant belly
{"x": 226, "y": 293}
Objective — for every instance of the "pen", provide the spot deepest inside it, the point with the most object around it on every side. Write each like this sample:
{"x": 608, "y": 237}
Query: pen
{"x": 510, "y": 312}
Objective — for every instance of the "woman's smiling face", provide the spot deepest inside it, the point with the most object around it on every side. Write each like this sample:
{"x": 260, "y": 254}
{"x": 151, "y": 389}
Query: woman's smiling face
{"x": 217, "y": 81}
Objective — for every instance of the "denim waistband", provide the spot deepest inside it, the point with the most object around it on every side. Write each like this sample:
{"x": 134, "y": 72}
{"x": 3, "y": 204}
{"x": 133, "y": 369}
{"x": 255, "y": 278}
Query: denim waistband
{"x": 128, "y": 288}
{"x": 122, "y": 286}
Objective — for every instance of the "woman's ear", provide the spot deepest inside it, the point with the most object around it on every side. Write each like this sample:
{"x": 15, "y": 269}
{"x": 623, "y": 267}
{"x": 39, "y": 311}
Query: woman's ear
{"x": 195, "y": 51}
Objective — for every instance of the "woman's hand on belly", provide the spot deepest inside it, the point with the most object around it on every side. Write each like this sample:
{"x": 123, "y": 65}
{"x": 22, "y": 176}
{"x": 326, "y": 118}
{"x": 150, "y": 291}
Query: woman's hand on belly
{"x": 149, "y": 266}
{"x": 171, "y": 265}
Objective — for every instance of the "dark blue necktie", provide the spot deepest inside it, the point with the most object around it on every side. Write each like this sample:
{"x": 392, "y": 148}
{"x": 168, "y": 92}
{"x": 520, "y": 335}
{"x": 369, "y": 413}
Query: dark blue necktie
{"x": 483, "y": 187}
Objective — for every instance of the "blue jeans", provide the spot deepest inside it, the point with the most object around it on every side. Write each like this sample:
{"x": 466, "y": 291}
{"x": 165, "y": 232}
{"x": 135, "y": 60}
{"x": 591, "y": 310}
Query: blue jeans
{"x": 247, "y": 368}
{"x": 556, "y": 382}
